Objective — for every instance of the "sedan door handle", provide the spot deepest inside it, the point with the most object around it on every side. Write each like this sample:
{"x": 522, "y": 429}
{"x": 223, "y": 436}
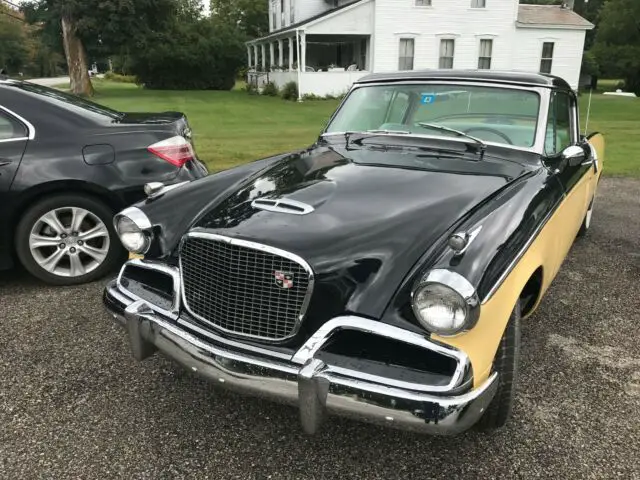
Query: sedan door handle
{"x": 3, "y": 163}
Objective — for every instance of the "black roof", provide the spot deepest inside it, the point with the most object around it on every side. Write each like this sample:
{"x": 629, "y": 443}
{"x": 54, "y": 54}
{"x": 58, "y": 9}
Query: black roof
{"x": 494, "y": 76}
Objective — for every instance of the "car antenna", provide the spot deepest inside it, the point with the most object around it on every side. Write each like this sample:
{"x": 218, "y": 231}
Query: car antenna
{"x": 586, "y": 126}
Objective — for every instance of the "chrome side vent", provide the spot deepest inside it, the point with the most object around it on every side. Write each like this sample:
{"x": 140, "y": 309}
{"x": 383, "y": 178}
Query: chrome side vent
{"x": 282, "y": 206}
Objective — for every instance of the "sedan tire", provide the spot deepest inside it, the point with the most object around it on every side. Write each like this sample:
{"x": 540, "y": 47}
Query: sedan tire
{"x": 506, "y": 365}
{"x": 68, "y": 239}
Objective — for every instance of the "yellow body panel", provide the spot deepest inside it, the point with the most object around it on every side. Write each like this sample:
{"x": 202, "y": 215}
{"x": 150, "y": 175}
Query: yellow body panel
{"x": 548, "y": 251}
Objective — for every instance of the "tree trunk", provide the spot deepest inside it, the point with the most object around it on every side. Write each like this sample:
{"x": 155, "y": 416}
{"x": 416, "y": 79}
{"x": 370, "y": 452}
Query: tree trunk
{"x": 76, "y": 59}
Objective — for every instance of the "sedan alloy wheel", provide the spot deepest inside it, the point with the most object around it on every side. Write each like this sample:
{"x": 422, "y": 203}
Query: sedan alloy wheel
{"x": 69, "y": 242}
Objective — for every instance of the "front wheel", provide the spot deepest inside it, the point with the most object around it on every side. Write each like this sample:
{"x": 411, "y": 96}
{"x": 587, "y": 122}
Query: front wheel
{"x": 68, "y": 239}
{"x": 506, "y": 365}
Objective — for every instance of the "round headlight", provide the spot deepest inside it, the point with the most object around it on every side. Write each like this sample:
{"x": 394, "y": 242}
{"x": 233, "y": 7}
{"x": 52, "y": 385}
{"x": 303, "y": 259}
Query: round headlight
{"x": 445, "y": 303}
{"x": 133, "y": 238}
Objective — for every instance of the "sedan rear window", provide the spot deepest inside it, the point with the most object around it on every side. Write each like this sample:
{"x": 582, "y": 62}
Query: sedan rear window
{"x": 70, "y": 102}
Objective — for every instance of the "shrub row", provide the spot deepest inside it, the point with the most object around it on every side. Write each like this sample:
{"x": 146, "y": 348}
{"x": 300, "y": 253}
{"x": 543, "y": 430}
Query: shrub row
{"x": 289, "y": 92}
{"x": 116, "y": 77}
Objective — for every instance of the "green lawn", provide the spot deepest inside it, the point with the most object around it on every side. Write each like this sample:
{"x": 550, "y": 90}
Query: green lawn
{"x": 234, "y": 127}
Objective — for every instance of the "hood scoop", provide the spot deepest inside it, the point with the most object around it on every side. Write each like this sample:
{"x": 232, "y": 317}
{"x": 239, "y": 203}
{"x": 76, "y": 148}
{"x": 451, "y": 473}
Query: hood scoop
{"x": 284, "y": 205}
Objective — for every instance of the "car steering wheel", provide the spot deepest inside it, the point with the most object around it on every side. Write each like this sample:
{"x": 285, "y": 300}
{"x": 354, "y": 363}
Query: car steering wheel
{"x": 490, "y": 130}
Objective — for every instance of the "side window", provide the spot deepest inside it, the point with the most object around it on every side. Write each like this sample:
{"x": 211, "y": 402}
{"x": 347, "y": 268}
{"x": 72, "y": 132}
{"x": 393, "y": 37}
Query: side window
{"x": 11, "y": 128}
{"x": 559, "y": 124}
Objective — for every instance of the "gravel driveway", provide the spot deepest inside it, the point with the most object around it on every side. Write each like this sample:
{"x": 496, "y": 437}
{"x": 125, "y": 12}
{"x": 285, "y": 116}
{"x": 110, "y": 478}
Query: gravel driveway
{"x": 74, "y": 404}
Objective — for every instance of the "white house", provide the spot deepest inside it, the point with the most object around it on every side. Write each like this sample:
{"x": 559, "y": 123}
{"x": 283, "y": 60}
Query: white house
{"x": 325, "y": 45}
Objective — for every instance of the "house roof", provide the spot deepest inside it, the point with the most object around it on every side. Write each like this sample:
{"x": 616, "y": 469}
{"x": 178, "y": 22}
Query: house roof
{"x": 306, "y": 21}
{"x": 550, "y": 16}
{"x": 491, "y": 76}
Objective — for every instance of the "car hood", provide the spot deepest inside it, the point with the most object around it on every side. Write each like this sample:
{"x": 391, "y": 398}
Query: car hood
{"x": 370, "y": 223}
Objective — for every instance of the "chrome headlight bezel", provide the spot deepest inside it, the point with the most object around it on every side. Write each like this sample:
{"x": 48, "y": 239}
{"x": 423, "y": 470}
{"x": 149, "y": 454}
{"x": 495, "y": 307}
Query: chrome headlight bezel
{"x": 460, "y": 290}
{"x": 133, "y": 221}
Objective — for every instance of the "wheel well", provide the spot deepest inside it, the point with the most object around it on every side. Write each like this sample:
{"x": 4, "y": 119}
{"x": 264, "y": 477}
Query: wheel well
{"x": 531, "y": 292}
{"x": 35, "y": 194}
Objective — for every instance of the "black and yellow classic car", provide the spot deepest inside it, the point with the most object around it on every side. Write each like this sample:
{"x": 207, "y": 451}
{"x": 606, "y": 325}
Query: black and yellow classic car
{"x": 383, "y": 272}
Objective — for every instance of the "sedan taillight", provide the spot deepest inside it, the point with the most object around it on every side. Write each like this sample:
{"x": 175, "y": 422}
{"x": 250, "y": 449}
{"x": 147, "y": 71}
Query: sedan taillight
{"x": 175, "y": 150}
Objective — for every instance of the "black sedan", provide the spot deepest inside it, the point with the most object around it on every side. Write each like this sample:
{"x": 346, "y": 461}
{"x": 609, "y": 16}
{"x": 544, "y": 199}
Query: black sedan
{"x": 66, "y": 166}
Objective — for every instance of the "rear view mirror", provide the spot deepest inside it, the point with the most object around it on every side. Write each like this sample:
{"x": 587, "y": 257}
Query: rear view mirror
{"x": 574, "y": 155}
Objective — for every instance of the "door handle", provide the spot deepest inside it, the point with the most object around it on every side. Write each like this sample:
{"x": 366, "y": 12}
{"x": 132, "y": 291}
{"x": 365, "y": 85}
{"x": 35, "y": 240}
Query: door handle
{"x": 3, "y": 163}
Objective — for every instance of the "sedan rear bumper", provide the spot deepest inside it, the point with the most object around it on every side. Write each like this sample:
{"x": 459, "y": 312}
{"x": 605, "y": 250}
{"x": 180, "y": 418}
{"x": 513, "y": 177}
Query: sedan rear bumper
{"x": 314, "y": 387}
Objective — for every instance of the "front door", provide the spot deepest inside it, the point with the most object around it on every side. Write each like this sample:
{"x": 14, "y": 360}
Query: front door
{"x": 14, "y": 136}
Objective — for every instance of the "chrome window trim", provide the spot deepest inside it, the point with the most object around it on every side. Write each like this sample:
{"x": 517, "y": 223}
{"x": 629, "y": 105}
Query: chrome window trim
{"x": 255, "y": 246}
{"x": 307, "y": 352}
{"x": 174, "y": 313}
{"x": 540, "y": 131}
{"x": 31, "y": 130}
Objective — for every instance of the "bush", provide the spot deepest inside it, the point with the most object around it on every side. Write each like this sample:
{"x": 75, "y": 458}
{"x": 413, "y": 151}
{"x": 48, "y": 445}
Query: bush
{"x": 201, "y": 55}
{"x": 116, "y": 77}
{"x": 270, "y": 90}
{"x": 250, "y": 88}
{"x": 290, "y": 91}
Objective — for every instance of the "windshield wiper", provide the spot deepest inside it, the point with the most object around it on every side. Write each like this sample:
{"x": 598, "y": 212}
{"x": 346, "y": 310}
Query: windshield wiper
{"x": 482, "y": 146}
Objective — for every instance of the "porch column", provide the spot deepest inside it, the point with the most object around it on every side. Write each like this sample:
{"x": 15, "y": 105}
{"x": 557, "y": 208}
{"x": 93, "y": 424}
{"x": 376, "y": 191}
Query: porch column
{"x": 280, "y": 53}
{"x": 255, "y": 57}
{"x": 264, "y": 57}
{"x": 303, "y": 50}
{"x": 249, "y": 56}
{"x": 272, "y": 55}
{"x": 292, "y": 45}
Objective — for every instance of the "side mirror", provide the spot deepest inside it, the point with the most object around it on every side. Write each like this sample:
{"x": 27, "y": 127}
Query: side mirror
{"x": 574, "y": 155}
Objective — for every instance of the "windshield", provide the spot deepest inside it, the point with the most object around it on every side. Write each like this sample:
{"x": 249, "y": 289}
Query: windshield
{"x": 71, "y": 102}
{"x": 492, "y": 114}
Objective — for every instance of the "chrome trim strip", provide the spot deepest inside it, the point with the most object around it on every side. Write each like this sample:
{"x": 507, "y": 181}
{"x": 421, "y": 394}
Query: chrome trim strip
{"x": 308, "y": 351}
{"x": 254, "y": 246}
{"x": 30, "y": 128}
{"x": 19, "y": 139}
{"x": 521, "y": 253}
{"x": 174, "y": 313}
{"x": 274, "y": 206}
{"x": 226, "y": 341}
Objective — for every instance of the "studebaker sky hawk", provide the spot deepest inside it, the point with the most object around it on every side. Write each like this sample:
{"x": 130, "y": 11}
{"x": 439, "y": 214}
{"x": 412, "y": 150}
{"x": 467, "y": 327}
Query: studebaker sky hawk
{"x": 383, "y": 272}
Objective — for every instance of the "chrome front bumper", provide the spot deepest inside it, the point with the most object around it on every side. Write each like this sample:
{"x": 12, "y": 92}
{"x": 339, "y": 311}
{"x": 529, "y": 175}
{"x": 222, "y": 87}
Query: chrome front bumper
{"x": 302, "y": 379}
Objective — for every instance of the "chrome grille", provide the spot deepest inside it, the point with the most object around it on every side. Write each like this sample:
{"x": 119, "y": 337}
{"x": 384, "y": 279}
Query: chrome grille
{"x": 242, "y": 287}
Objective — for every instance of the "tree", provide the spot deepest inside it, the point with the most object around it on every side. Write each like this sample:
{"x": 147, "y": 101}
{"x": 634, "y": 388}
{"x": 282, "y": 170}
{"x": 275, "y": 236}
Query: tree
{"x": 13, "y": 53}
{"x": 617, "y": 46}
{"x": 100, "y": 27}
{"x": 203, "y": 54}
{"x": 251, "y": 17}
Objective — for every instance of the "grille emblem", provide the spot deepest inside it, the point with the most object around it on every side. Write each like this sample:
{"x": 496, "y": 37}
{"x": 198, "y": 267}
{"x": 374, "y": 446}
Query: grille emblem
{"x": 283, "y": 279}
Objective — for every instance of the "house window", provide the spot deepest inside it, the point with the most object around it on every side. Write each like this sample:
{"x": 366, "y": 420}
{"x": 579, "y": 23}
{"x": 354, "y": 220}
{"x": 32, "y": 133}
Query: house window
{"x": 447, "y": 50}
{"x": 274, "y": 14}
{"x": 423, "y": 3}
{"x": 406, "y": 54}
{"x": 486, "y": 50}
{"x": 478, "y": 3}
{"x": 292, "y": 12}
{"x": 547, "y": 57}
